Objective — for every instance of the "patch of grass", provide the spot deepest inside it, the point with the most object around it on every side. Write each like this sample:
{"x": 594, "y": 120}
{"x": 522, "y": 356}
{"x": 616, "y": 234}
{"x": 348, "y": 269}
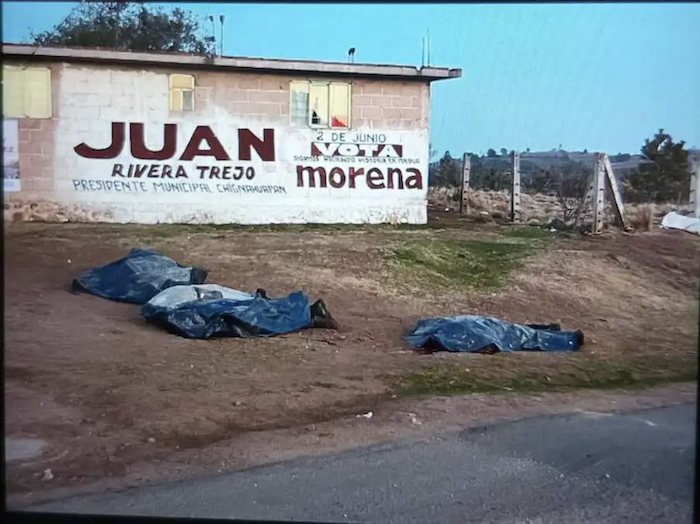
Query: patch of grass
{"x": 528, "y": 232}
{"x": 503, "y": 373}
{"x": 461, "y": 263}
{"x": 176, "y": 230}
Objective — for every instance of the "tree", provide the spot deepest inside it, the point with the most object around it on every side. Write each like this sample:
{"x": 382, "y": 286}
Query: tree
{"x": 664, "y": 177}
{"x": 491, "y": 153}
{"x": 446, "y": 172}
{"x": 489, "y": 179}
{"x": 571, "y": 186}
{"x": 132, "y": 26}
{"x": 504, "y": 151}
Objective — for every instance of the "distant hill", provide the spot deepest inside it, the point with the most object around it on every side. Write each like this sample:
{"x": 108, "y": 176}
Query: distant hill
{"x": 533, "y": 161}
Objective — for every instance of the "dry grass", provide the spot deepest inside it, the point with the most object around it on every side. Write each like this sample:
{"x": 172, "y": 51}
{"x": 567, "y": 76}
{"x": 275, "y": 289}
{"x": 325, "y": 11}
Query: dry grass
{"x": 644, "y": 219}
{"x": 538, "y": 208}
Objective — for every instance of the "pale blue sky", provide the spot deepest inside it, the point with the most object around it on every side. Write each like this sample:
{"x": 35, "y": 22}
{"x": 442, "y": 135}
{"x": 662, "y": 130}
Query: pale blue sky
{"x": 595, "y": 76}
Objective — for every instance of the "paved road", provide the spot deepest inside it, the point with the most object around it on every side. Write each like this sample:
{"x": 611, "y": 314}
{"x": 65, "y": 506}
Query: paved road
{"x": 583, "y": 468}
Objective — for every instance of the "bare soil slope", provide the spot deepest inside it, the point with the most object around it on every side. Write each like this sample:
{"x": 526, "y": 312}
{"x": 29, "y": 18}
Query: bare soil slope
{"x": 107, "y": 391}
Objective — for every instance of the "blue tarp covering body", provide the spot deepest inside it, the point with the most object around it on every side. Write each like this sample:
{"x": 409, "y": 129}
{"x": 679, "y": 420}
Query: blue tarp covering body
{"x": 176, "y": 298}
{"x": 138, "y": 277}
{"x": 473, "y": 334}
{"x": 214, "y": 314}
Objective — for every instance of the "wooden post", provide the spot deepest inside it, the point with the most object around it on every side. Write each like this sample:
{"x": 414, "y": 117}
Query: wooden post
{"x": 695, "y": 186}
{"x": 598, "y": 194}
{"x": 618, "y": 206}
{"x": 515, "y": 190}
{"x": 466, "y": 172}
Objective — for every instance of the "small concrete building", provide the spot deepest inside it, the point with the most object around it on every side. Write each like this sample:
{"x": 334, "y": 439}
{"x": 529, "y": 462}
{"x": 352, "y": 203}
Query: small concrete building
{"x": 111, "y": 136}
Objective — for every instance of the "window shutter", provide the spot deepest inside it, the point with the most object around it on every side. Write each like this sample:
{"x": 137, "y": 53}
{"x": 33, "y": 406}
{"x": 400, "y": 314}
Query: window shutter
{"x": 37, "y": 93}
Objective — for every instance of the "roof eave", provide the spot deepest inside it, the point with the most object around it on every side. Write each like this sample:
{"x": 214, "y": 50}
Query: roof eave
{"x": 425, "y": 74}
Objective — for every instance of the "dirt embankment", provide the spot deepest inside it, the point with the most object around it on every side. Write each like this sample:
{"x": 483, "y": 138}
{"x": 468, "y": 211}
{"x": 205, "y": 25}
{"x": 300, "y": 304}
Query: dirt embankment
{"x": 118, "y": 399}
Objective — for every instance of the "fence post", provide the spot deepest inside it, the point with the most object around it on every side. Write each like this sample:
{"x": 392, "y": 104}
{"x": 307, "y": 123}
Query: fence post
{"x": 515, "y": 189}
{"x": 618, "y": 205}
{"x": 466, "y": 172}
{"x": 598, "y": 193}
{"x": 695, "y": 186}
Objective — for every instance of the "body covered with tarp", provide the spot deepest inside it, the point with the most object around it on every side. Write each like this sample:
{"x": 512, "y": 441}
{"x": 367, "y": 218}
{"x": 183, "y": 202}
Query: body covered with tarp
{"x": 137, "y": 277}
{"x": 476, "y": 334}
{"x": 209, "y": 310}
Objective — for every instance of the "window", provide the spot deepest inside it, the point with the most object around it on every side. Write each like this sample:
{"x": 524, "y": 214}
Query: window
{"x": 320, "y": 104}
{"x": 181, "y": 93}
{"x": 26, "y": 92}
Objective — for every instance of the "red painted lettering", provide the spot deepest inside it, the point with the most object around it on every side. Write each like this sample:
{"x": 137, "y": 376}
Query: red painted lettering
{"x": 265, "y": 148}
{"x": 138, "y": 143}
{"x": 336, "y": 177}
{"x": 204, "y": 134}
{"x": 117, "y": 170}
{"x": 415, "y": 181}
{"x": 389, "y": 151}
{"x": 139, "y": 170}
{"x": 375, "y": 179}
{"x": 354, "y": 173}
{"x": 319, "y": 149}
{"x": 203, "y": 142}
{"x": 112, "y": 151}
{"x": 390, "y": 178}
{"x": 368, "y": 149}
{"x": 311, "y": 171}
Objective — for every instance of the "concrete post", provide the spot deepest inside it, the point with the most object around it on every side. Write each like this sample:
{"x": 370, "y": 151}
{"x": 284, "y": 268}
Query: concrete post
{"x": 695, "y": 187}
{"x": 618, "y": 206}
{"x": 598, "y": 200}
{"x": 515, "y": 189}
{"x": 466, "y": 173}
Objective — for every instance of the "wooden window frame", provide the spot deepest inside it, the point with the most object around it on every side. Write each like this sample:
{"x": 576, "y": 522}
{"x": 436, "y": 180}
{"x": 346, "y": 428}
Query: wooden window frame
{"x": 27, "y": 92}
{"x": 178, "y": 85}
{"x": 309, "y": 115}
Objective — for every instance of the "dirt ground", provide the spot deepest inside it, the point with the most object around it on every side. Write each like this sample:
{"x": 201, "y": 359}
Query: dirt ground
{"x": 115, "y": 398}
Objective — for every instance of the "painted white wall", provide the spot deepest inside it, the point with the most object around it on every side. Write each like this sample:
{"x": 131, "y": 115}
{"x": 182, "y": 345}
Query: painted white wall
{"x": 89, "y": 100}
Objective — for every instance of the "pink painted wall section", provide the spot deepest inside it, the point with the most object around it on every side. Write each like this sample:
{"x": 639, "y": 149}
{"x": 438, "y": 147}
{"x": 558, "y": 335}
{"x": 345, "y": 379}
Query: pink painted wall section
{"x": 375, "y": 172}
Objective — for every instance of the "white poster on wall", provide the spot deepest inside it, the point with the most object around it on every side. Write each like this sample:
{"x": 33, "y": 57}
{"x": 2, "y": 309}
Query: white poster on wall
{"x": 223, "y": 173}
{"x": 10, "y": 155}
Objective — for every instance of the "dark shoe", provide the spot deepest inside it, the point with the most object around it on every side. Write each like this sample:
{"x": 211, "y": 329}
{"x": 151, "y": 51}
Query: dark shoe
{"x": 320, "y": 317}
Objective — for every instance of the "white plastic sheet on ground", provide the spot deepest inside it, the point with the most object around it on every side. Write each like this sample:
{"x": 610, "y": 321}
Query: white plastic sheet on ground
{"x": 685, "y": 223}
{"x": 177, "y": 295}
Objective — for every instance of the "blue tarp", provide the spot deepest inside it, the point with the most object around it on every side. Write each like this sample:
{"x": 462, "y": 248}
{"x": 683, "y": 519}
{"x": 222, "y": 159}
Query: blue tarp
{"x": 137, "y": 277}
{"x": 475, "y": 334}
{"x": 207, "y": 311}
{"x": 176, "y": 298}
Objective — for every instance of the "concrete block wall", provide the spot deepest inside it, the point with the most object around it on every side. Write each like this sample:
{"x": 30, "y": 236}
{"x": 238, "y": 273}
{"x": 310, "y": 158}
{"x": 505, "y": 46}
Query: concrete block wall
{"x": 36, "y": 153}
{"x": 390, "y": 105}
{"x": 87, "y": 97}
